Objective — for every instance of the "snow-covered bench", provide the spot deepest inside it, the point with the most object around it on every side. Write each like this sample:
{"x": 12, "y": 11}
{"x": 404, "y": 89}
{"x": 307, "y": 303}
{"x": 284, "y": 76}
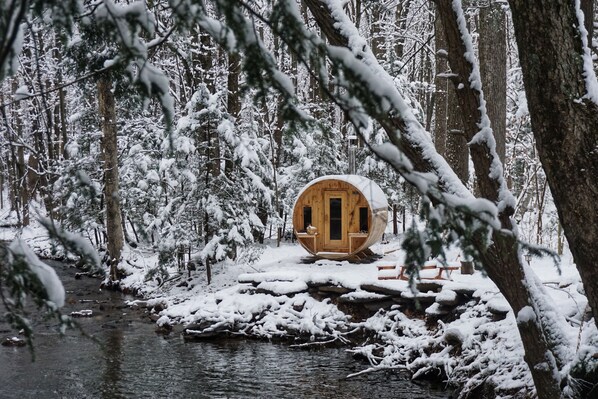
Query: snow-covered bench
{"x": 431, "y": 270}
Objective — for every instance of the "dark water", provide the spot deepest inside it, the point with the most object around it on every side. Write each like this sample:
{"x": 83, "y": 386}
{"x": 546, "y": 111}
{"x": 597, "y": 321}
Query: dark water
{"x": 131, "y": 361}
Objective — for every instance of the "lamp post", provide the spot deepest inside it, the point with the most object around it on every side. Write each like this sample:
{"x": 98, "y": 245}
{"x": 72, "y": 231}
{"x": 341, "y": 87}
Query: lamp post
{"x": 528, "y": 258}
{"x": 352, "y": 143}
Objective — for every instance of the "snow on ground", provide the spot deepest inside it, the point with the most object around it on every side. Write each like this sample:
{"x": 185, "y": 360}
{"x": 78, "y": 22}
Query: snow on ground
{"x": 273, "y": 298}
{"x": 269, "y": 299}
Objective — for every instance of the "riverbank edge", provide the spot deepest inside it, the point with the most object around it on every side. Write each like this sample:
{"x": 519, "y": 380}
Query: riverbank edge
{"x": 428, "y": 306}
{"x": 380, "y": 345}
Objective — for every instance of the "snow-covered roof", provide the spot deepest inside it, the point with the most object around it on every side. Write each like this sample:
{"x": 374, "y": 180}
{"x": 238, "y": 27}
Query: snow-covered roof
{"x": 370, "y": 190}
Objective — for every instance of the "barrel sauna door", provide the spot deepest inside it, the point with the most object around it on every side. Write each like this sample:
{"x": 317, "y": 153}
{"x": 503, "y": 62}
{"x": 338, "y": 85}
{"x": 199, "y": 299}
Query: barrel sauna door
{"x": 335, "y": 221}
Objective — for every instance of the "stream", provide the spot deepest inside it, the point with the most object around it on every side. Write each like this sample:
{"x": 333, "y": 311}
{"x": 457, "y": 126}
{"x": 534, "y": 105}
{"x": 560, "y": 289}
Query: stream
{"x": 129, "y": 360}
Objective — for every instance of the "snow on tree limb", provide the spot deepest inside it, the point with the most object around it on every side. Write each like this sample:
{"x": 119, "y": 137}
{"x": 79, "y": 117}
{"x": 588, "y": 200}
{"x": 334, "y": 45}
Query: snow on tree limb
{"x": 406, "y": 131}
{"x": 478, "y": 131}
{"x": 588, "y": 64}
{"x": 544, "y": 333}
{"x": 73, "y": 243}
{"x": 12, "y": 42}
{"x": 45, "y": 274}
{"x": 239, "y": 35}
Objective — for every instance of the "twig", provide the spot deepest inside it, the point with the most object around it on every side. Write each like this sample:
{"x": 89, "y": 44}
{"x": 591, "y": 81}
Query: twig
{"x": 306, "y": 344}
{"x": 376, "y": 368}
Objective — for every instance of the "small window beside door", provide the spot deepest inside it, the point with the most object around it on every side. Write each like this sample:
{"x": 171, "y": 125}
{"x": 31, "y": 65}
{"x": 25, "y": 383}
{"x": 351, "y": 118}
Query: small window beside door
{"x": 306, "y": 217}
{"x": 363, "y": 220}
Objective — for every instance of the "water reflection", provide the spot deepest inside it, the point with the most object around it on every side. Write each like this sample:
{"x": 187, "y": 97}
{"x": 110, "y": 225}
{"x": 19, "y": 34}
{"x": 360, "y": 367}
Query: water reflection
{"x": 111, "y": 377}
{"x": 131, "y": 361}
{"x": 135, "y": 363}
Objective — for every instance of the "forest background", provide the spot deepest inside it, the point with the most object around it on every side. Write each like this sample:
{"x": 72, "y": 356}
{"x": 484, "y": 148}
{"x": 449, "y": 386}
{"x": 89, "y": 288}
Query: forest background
{"x": 181, "y": 184}
{"x": 190, "y": 127}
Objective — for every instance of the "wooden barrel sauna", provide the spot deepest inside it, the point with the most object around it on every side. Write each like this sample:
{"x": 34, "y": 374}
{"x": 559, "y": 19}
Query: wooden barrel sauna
{"x": 340, "y": 216}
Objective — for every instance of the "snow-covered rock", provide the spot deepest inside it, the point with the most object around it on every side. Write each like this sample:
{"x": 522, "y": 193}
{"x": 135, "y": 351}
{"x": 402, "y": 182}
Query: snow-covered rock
{"x": 282, "y": 287}
{"x": 447, "y": 297}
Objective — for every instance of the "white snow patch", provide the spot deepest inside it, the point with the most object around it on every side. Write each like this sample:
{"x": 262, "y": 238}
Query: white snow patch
{"x": 526, "y": 315}
{"x": 283, "y": 287}
{"x": 22, "y": 93}
{"x": 446, "y": 295}
{"x": 46, "y": 275}
{"x": 588, "y": 64}
{"x": 370, "y": 190}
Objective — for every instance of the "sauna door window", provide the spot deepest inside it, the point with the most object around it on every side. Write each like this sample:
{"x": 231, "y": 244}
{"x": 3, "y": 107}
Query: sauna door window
{"x": 336, "y": 219}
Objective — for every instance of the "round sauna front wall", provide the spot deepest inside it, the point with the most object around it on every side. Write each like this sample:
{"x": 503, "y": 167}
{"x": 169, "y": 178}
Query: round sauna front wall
{"x": 340, "y": 216}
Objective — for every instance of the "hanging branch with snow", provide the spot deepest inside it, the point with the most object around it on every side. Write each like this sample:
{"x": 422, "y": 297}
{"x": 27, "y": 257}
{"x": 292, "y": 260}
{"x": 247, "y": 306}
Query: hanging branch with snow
{"x": 23, "y": 277}
{"x": 364, "y": 95}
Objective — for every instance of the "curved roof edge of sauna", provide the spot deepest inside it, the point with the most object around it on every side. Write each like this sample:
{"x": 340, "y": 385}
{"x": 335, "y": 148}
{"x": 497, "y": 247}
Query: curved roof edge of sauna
{"x": 368, "y": 188}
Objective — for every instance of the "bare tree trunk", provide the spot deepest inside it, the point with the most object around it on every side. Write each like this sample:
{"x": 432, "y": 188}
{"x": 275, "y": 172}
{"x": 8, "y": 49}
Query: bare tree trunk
{"x": 233, "y": 100}
{"x": 502, "y": 261}
{"x": 395, "y": 225}
{"x": 20, "y": 185}
{"x": 449, "y": 138}
{"x": 540, "y": 196}
{"x": 208, "y": 271}
{"x": 401, "y": 23}
{"x": 492, "y": 48}
{"x": 63, "y": 124}
{"x": 24, "y": 189}
{"x": 1, "y": 186}
{"x": 211, "y": 140}
{"x": 13, "y": 177}
{"x": 21, "y": 188}
{"x": 107, "y": 109}
{"x": 587, "y": 6}
{"x": 560, "y": 241}
{"x": 441, "y": 82}
{"x": 457, "y": 152}
{"x": 564, "y": 122}
{"x": 279, "y": 121}
{"x": 377, "y": 38}
{"x": 2, "y": 161}
{"x": 546, "y": 350}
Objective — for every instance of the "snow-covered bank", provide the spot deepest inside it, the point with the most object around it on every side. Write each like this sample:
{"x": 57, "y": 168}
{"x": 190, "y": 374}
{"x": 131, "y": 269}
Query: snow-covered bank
{"x": 460, "y": 330}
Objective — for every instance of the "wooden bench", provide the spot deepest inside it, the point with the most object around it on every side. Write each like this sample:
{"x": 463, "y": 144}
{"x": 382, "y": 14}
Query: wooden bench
{"x": 388, "y": 272}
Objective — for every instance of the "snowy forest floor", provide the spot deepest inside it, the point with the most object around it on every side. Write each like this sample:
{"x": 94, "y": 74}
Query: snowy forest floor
{"x": 459, "y": 331}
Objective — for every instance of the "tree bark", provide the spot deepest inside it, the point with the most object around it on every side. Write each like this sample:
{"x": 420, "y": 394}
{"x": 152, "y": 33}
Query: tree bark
{"x": 278, "y": 122}
{"x": 211, "y": 139}
{"x": 564, "y": 122}
{"x": 457, "y": 152}
{"x": 400, "y": 23}
{"x": 502, "y": 261}
{"x": 24, "y": 188}
{"x": 587, "y": 6}
{"x": 543, "y": 342}
{"x": 441, "y": 84}
{"x": 377, "y": 38}
{"x": 107, "y": 108}
{"x": 395, "y": 225}
{"x": 492, "y": 48}
{"x": 1, "y": 186}
{"x": 233, "y": 100}
{"x": 21, "y": 175}
{"x": 449, "y": 138}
